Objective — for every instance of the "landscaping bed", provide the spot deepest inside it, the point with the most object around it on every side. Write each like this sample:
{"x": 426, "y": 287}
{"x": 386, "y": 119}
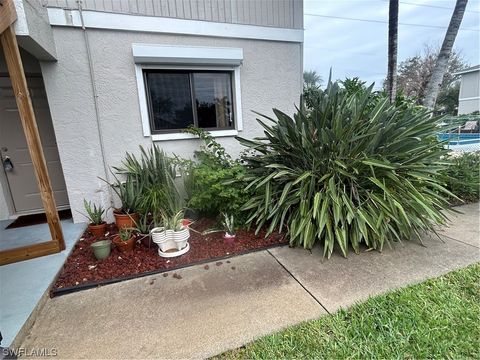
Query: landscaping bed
{"x": 81, "y": 270}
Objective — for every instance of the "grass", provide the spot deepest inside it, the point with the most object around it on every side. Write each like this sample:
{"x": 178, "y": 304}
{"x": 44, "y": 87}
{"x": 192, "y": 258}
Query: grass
{"x": 438, "y": 318}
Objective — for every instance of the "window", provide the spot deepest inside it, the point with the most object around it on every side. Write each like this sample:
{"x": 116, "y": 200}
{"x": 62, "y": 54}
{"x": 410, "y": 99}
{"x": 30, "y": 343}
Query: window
{"x": 178, "y": 98}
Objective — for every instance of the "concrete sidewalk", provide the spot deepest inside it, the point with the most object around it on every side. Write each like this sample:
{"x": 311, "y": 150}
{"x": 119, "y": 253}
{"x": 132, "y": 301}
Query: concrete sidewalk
{"x": 205, "y": 311}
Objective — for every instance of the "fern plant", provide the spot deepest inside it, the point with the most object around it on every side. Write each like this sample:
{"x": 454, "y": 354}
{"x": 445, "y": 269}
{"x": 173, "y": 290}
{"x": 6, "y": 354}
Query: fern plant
{"x": 345, "y": 173}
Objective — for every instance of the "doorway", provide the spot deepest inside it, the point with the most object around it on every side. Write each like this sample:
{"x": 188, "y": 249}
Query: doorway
{"x": 17, "y": 164}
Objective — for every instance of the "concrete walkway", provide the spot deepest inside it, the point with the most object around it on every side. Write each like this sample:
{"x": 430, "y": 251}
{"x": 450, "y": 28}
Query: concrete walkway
{"x": 205, "y": 311}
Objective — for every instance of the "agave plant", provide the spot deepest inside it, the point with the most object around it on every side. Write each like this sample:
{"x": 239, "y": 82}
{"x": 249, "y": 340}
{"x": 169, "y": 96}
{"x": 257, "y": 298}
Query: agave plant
{"x": 129, "y": 192}
{"x": 343, "y": 173}
{"x": 125, "y": 234}
{"x": 94, "y": 213}
{"x": 153, "y": 167}
{"x": 156, "y": 172}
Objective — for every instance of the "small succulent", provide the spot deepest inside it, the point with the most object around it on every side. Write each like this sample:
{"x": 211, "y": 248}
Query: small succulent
{"x": 94, "y": 213}
{"x": 125, "y": 234}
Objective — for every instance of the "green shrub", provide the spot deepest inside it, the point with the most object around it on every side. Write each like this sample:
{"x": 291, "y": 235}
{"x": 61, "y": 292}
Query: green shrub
{"x": 340, "y": 173}
{"x": 462, "y": 177}
{"x": 215, "y": 182}
{"x": 211, "y": 195}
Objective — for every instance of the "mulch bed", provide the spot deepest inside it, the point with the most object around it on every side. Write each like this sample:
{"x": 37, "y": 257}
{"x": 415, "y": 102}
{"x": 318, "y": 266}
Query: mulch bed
{"x": 82, "y": 270}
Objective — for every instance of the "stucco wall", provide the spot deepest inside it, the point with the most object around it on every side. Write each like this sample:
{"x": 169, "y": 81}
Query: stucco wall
{"x": 271, "y": 76}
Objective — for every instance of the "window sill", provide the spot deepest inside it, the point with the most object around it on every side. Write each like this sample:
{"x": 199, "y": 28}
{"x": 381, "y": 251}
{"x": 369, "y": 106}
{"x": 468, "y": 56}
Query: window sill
{"x": 183, "y": 136}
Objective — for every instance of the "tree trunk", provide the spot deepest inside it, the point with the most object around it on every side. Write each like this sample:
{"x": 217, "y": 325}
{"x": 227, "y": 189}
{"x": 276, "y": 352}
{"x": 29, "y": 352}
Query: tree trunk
{"x": 441, "y": 64}
{"x": 392, "y": 50}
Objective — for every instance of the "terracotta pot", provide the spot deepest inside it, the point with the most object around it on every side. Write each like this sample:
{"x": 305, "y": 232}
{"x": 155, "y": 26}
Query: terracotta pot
{"x": 229, "y": 238}
{"x": 125, "y": 220}
{"x": 97, "y": 230}
{"x": 124, "y": 246}
{"x": 186, "y": 222}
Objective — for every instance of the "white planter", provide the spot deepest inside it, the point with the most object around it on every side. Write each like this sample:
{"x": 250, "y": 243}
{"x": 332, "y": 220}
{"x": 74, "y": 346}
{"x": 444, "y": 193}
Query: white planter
{"x": 181, "y": 237}
{"x": 174, "y": 253}
{"x": 163, "y": 238}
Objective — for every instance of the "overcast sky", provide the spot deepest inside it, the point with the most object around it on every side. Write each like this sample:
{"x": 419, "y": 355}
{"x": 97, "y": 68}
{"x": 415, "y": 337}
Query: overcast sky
{"x": 359, "y": 48}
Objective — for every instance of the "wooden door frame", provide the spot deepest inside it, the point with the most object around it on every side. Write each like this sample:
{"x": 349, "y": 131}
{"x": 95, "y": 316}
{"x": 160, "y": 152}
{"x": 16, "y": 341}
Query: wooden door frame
{"x": 27, "y": 116}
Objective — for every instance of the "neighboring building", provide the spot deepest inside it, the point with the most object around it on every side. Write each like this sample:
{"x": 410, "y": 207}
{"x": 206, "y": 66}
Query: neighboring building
{"x": 111, "y": 75}
{"x": 469, "y": 96}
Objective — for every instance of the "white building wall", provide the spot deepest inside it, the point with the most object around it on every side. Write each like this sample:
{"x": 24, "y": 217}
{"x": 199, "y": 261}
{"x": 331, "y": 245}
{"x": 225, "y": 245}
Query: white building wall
{"x": 271, "y": 76}
{"x": 469, "y": 98}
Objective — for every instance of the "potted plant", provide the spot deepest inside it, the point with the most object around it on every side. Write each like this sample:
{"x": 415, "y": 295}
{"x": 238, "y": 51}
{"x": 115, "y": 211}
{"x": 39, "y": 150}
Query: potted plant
{"x": 228, "y": 226}
{"x": 142, "y": 228}
{"x": 94, "y": 214}
{"x": 129, "y": 192}
{"x": 101, "y": 249}
{"x": 124, "y": 241}
{"x": 173, "y": 235}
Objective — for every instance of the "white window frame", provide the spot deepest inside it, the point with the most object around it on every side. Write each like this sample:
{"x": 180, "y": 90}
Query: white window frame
{"x": 142, "y": 97}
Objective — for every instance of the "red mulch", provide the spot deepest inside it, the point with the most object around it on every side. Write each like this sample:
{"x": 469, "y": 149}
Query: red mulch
{"x": 82, "y": 268}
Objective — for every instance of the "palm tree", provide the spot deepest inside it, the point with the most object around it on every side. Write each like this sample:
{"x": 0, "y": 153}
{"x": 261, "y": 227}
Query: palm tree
{"x": 436, "y": 78}
{"x": 311, "y": 78}
{"x": 392, "y": 50}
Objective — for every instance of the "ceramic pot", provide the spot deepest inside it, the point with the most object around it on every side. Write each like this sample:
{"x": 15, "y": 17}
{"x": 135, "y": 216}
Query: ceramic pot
{"x": 124, "y": 246}
{"x": 101, "y": 249}
{"x": 97, "y": 230}
{"x": 181, "y": 237}
{"x": 125, "y": 220}
{"x": 229, "y": 238}
{"x": 163, "y": 238}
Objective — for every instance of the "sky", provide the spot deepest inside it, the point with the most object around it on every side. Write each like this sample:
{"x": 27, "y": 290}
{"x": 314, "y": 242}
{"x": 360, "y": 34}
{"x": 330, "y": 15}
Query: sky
{"x": 359, "y": 48}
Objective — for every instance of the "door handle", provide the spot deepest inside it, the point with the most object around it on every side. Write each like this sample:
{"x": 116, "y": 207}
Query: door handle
{"x": 7, "y": 164}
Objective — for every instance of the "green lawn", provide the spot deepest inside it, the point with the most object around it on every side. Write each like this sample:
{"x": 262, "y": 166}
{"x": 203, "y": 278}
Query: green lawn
{"x": 435, "y": 319}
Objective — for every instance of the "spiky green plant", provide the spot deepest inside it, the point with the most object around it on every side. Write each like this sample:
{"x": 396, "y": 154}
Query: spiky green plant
{"x": 129, "y": 192}
{"x": 340, "y": 173}
{"x": 125, "y": 234}
{"x": 228, "y": 223}
{"x": 152, "y": 167}
{"x": 94, "y": 213}
{"x": 156, "y": 172}
{"x": 172, "y": 222}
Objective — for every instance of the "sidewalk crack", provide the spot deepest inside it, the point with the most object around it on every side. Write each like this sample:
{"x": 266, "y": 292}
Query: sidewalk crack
{"x": 298, "y": 281}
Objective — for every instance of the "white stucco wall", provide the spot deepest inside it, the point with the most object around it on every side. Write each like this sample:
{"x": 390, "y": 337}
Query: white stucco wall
{"x": 271, "y": 76}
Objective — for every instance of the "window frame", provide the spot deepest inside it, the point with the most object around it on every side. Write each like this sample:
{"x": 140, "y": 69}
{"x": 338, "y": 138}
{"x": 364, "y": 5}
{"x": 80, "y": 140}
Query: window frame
{"x": 191, "y": 80}
{"x": 177, "y": 134}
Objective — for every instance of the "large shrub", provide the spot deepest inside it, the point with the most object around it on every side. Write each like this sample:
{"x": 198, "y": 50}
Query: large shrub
{"x": 215, "y": 182}
{"x": 343, "y": 173}
{"x": 462, "y": 177}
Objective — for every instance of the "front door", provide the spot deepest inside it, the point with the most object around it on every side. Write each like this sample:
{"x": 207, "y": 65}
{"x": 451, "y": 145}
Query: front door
{"x": 14, "y": 150}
